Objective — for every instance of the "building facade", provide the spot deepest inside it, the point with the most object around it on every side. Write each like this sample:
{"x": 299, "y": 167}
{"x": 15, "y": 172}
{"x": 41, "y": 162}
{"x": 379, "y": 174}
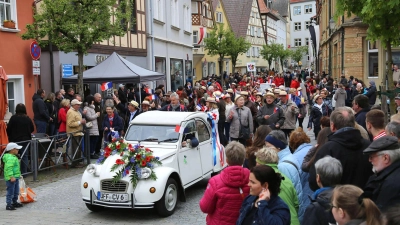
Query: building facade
{"x": 15, "y": 55}
{"x": 206, "y": 16}
{"x": 132, "y": 46}
{"x": 301, "y": 13}
{"x": 170, "y": 40}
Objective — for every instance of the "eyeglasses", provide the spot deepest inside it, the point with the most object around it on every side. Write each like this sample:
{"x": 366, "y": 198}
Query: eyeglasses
{"x": 373, "y": 156}
{"x": 331, "y": 205}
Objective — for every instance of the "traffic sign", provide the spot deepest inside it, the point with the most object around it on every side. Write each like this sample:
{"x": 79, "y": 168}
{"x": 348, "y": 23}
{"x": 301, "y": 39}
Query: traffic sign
{"x": 36, "y": 71}
{"x": 35, "y": 50}
{"x": 35, "y": 63}
{"x": 67, "y": 70}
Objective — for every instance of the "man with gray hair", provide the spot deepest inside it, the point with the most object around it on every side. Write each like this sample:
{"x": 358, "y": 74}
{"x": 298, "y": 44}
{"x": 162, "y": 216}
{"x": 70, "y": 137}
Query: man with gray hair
{"x": 393, "y": 129}
{"x": 174, "y": 105}
{"x": 345, "y": 144}
{"x": 384, "y": 187}
{"x": 329, "y": 174}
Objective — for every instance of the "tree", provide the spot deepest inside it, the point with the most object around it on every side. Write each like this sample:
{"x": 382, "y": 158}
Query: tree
{"x": 270, "y": 52}
{"x": 298, "y": 53}
{"x": 75, "y": 25}
{"x": 283, "y": 54}
{"x": 217, "y": 43}
{"x": 382, "y": 25}
{"x": 237, "y": 46}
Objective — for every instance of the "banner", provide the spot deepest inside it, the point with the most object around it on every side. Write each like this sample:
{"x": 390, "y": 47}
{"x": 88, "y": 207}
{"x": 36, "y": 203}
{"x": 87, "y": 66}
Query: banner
{"x": 251, "y": 67}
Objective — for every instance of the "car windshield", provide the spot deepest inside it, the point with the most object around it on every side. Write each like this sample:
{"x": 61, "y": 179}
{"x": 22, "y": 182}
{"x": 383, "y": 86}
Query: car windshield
{"x": 154, "y": 133}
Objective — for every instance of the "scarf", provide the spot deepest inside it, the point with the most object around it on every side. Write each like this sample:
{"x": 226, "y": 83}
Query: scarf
{"x": 319, "y": 107}
{"x": 111, "y": 119}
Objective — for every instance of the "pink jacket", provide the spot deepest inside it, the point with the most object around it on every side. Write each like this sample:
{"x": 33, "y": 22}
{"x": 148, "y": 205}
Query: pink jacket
{"x": 224, "y": 195}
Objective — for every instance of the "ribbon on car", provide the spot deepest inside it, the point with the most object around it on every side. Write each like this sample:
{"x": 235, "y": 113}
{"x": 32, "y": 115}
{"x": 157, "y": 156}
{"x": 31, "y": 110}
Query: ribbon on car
{"x": 216, "y": 145}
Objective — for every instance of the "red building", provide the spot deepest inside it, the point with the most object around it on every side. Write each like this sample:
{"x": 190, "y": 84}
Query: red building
{"x": 15, "y": 53}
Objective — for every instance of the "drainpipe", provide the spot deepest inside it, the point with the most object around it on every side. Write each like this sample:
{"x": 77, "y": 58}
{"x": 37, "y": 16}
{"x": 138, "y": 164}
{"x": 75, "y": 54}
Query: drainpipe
{"x": 153, "y": 64}
{"x": 330, "y": 40}
{"x": 342, "y": 45}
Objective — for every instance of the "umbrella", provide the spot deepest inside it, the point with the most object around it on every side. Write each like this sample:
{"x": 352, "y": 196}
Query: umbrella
{"x": 3, "y": 107}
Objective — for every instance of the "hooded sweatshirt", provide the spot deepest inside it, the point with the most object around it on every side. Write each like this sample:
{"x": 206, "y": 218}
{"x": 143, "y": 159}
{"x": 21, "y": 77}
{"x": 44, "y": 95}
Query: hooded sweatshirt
{"x": 340, "y": 97}
{"x": 11, "y": 166}
{"x": 39, "y": 109}
{"x": 224, "y": 195}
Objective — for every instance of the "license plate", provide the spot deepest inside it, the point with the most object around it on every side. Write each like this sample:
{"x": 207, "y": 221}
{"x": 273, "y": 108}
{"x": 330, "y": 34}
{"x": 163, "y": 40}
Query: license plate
{"x": 112, "y": 197}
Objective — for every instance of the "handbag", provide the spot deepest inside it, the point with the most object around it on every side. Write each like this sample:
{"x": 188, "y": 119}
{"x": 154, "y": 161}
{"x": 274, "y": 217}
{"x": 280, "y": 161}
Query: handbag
{"x": 89, "y": 125}
{"x": 244, "y": 131}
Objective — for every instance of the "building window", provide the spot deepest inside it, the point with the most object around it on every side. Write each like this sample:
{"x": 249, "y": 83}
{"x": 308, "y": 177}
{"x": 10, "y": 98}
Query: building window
{"x": 175, "y": 12}
{"x": 8, "y": 10}
{"x": 195, "y": 7}
{"x": 188, "y": 18}
{"x": 259, "y": 32}
{"x": 160, "y": 65}
{"x": 248, "y": 52}
{"x": 297, "y": 10}
{"x": 133, "y": 23}
{"x": 307, "y": 23}
{"x": 219, "y": 17}
{"x": 297, "y": 26}
{"x": 373, "y": 64}
{"x": 158, "y": 10}
{"x": 11, "y": 97}
{"x": 195, "y": 37}
{"x": 308, "y": 9}
{"x": 176, "y": 72}
{"x": 252, "y": 31}
{"x": 297, "y": 42}
{"x": 306, "y": 41}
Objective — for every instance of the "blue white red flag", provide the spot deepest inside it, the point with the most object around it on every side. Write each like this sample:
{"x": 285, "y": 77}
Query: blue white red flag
{"x": 106, "y": 86}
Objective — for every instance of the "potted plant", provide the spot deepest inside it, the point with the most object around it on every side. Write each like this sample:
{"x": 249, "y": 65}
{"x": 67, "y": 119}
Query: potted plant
{"x": 9, "y": 24}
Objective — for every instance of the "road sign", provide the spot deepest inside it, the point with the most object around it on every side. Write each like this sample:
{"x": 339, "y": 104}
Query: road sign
{"x": 35, "y": 63}
{"x": 35, "y": 50}
{"x": 67, "y": 70}
{"x": 36, "y": 71}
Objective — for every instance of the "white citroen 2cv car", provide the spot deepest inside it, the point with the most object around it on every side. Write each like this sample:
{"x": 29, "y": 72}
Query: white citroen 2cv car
{"x": 182, "y": 141}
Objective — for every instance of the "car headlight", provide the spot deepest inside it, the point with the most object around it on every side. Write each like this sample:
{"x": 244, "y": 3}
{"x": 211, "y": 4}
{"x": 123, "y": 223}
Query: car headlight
{"x": 146, "y": 172}
{"x": 91, "y": 168}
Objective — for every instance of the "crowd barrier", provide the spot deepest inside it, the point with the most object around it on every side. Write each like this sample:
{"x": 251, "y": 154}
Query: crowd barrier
{"x": 49, "y": 152}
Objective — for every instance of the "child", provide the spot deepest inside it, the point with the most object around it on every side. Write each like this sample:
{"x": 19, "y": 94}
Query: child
{"x": 12, "y": 173}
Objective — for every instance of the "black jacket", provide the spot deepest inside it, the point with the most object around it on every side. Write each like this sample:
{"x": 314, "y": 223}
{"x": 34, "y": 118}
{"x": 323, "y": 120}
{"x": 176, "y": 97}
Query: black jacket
{"x": 361, "y": 116}
{"x": 126, "y": 115}
{"x": 122, "y": 95}
{"x": 318, "y": 212}
{"x": 347, "y": 146}
{"x": 169, "y": 107}
{"x": 19, "y": 128}
{"x": 371, "y": 94}
{"x": 277, "y": 116}
{"x": 316, "y": 115}
{"x": 384, "y": 188}
{"x": 39, "y": 109}
{"x": 52, "y": 110}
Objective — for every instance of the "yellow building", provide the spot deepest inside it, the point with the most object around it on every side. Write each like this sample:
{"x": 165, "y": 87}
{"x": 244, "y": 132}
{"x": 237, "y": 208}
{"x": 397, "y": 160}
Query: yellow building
{"x": 244, "y": 17}
{"x": 206, "y": 15}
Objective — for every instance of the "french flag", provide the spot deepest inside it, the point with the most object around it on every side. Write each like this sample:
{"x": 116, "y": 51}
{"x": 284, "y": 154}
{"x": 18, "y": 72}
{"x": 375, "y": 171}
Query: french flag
{"x": 106, "y": 86}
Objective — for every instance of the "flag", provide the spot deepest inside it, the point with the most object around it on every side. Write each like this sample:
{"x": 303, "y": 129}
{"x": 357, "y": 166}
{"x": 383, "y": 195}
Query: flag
{"x": 179, "y": 129}
{"x": 276, "y": 110}
{"x": 105, "y": 86}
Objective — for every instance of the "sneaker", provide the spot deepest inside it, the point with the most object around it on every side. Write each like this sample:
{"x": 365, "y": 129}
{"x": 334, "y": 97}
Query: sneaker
{"x": 10, "y": 207}
{"x": 94, "y": 156}
{"x": 17, "y": 205}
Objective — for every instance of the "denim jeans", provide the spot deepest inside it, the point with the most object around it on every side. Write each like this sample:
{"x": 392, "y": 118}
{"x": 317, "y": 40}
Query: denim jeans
{"x": 227, "y": 129}
{"x": 24, "y": 157}
{"x": 41, "y": 126}
{"x": 93, "y": 143}
{"x": 12, "y": 191}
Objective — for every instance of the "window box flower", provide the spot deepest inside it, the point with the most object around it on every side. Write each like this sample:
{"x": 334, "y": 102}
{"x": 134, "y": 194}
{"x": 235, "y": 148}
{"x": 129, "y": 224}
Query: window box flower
{"x": 9, "y": 24}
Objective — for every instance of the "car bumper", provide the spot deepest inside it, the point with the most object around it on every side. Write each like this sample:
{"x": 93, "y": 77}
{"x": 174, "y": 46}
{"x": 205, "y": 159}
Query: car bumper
{"x": 131, "y": 204}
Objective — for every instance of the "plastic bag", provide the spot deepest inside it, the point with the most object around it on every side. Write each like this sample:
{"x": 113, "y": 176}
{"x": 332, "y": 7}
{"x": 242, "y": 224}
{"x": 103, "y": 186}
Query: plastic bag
{"x": 22, "y": 187}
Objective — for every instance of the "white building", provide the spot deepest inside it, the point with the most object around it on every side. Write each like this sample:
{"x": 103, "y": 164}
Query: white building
{"x": 301, "y": 12}
{"x": 169, "y": 40}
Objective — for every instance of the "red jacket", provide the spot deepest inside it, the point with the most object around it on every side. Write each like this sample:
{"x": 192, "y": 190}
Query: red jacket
{"x": 279, "y": 81}
{"x": 224, "y": 195}
{"x": 295, "y": 84}
{"x": 62, "y": 119}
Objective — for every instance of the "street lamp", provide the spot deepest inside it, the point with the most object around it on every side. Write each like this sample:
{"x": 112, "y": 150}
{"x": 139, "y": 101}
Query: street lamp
{"x": 332, "y": 24}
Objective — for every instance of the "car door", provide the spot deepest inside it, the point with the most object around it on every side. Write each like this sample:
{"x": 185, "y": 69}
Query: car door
{"x": 189, "y": 158}
{"x": 205, "y": 147}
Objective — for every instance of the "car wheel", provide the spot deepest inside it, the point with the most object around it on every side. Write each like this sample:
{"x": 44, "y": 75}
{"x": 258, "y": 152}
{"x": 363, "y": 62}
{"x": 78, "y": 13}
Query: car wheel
{"x": 167, "y": 204}
{"x": 94, "y": 208}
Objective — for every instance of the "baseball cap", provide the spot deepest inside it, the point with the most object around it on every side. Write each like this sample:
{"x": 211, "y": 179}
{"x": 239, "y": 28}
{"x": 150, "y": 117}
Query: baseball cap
{"x": 75, "y": 102}
{"x": 121, "y": 85}
{"x": 11, "y": 146}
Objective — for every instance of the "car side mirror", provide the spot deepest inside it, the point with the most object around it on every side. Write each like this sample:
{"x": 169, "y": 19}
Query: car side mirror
{"x": 194, "y": 142}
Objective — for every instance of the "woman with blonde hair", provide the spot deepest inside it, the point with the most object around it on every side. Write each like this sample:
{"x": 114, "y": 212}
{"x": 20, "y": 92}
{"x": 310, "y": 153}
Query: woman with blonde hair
{"x": 212, "y": 107}
{"x": 350, "y": 206}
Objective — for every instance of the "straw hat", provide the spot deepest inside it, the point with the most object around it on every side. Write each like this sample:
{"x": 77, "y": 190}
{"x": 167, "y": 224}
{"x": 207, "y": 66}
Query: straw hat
{"x": 244, "y": 93}
{"x": 229, "y": 90}
{"x": 217, "y": 94}
{"x": 282, "y": 93}
{"x": 282, "y": 87}
{"x": 211, "y": 99}
{"x": 316, "y": 97}
{"x": 204, "y": 88}
{"x": 227, "y": 95}
{"x": 270, "y": 94}
{"x": 76, "y": 102}
{"x": 277, "y": 91}
{"x": 237, "y": 97}
{"x": 145, "y": 102}
{"x": 259, "y": 94}
{"x": 134, "y": 103}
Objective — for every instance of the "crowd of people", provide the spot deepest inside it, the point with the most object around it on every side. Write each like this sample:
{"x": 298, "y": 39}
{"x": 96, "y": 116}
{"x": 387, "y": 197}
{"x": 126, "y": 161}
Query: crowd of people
{"x": 275, "y": 174}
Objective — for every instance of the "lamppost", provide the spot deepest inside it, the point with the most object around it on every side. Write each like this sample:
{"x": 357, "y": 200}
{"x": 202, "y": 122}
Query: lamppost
{"x": 332, "y": 25}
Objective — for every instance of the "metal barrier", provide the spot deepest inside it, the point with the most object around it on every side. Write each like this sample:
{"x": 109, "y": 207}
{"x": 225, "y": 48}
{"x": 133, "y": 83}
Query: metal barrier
{"x": 47, "y": 153}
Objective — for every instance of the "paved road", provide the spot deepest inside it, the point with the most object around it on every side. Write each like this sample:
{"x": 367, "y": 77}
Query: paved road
{"x": 60, "y": 203}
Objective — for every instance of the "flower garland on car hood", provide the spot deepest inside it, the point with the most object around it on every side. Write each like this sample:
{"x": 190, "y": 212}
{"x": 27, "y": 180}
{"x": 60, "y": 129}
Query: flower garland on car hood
{"x": 136, "y": 161}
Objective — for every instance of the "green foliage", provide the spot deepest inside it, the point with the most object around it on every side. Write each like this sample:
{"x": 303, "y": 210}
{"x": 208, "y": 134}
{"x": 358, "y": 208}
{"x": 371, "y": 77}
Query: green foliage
{"x": 270, "y": 52}
{"x": 299, "y": 52}
{"x": 75, "y": 25}
{"x": 284, "y": 54}
{"x": 381, "y": 18}
{"x": 237, "y": 46}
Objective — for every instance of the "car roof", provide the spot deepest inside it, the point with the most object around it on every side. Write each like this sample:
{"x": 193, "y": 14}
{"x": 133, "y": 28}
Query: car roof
{"x": 166, "y": 118}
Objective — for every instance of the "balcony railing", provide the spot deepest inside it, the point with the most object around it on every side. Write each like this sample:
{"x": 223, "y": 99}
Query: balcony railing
{"x": 199, "y": 20}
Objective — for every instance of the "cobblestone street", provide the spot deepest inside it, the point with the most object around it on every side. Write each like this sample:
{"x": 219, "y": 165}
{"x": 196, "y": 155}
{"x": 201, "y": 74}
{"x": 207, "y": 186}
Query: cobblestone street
{"x": 60, "y": 203}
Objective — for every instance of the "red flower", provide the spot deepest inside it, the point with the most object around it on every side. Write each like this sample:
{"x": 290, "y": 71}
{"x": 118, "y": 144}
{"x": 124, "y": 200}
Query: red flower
{"x": 122, "y": 153}
{"x": 114, "y": 140}
{"x": 147, "y": 150}
{"x": 148, "y": 158}
{"x": 119, "y": 162}
{"x": 118, "y": 147}
{"x": 130, "y": 146}
{"x": 138, "y": 156}
{"x": 143, "y": 163}
{"x": 121, "y": 141}
{"x": 107, "y": 154}
{"x": 107, "y": 149}
{"x": 127, "y": 172}
{"x": 131, "y": 150}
